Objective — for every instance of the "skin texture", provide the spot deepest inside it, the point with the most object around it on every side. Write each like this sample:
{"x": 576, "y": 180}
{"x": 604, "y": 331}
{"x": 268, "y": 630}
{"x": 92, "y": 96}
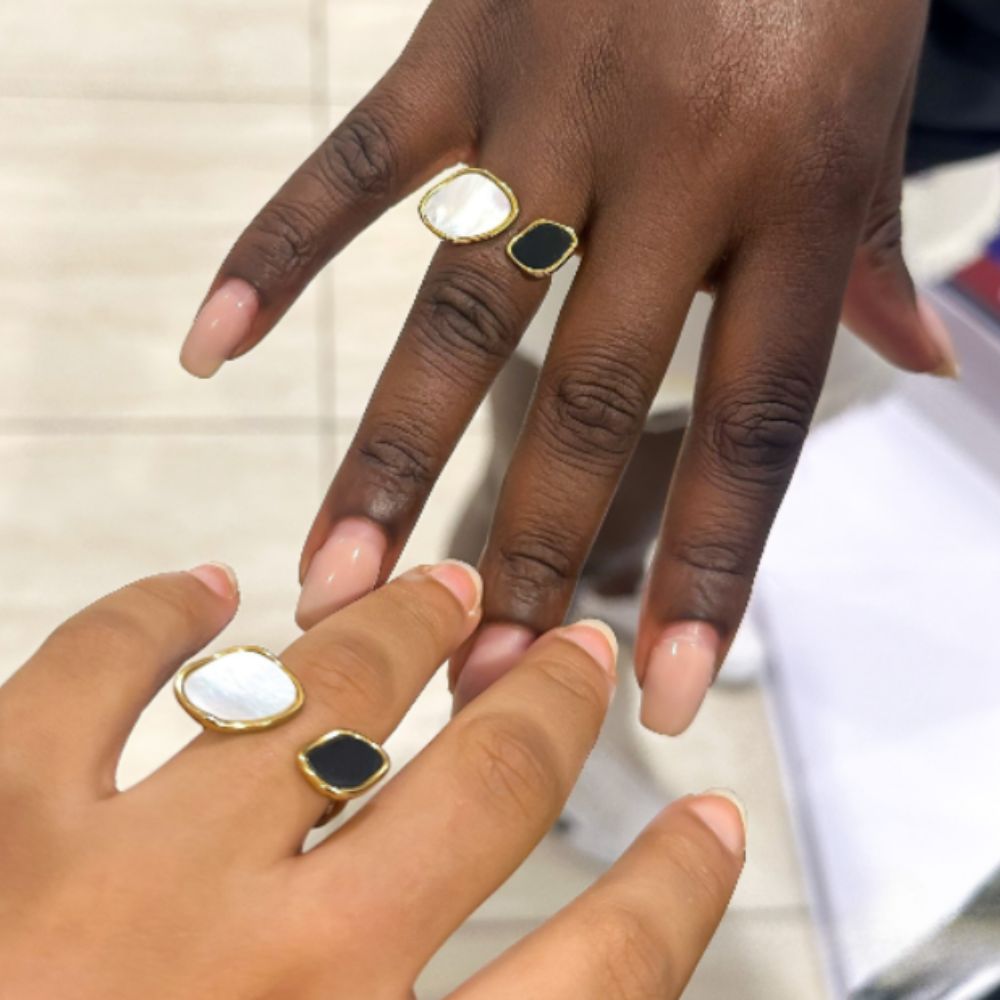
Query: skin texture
{"x": 193, "y": 883}
{"x": 752, "y": 148}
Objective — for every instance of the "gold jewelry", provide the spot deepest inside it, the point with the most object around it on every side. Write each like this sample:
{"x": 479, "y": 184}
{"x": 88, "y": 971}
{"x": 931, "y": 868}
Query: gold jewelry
{"x": 237, "y": 690}
{"x": 468, "y": 206}
{"x": 342, "y": 765}
{"x": 543, "y": 248}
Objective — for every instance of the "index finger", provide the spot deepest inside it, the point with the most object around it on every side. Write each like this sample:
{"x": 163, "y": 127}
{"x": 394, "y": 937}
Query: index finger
{"x": 400, "y": 134}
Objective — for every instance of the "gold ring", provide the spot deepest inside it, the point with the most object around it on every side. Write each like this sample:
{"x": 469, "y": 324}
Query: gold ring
{"x": 468, "y": 206}
{"x": 543, "y": 248}
{"x": 342, "y": 764}
{"x": 238, "y": 690}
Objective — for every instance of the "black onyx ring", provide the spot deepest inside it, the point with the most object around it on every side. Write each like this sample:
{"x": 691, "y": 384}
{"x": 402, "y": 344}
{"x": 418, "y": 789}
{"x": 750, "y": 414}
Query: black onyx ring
{"x": 342, "y": 765}
{"x": 543, "y": 248}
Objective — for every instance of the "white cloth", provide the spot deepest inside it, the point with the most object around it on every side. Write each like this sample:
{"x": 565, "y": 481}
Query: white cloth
{"x": 879, "y": 593}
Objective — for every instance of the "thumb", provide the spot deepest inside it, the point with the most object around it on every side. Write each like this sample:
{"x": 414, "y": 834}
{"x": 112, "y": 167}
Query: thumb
{"x": 882, "y": 307}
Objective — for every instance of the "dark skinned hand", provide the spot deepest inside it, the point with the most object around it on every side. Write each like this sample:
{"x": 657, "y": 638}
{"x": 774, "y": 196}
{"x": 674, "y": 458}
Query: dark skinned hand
{"x": 752, "y": 147}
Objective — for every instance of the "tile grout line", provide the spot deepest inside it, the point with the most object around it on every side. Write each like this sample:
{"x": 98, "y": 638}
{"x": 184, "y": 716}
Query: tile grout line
{"x": 219, "y": 98}
{"x": 324, "y": 332}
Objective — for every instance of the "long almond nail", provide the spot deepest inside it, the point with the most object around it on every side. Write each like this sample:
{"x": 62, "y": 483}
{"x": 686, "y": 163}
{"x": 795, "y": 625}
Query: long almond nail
{"x": 725, "y": 815}
{"x": 345, "y": 568}
{"x": 680, "y": 670}
{"x": 496, "y": 649}
{"x": 936, "y": 331}
{"x": 220, "y": 327}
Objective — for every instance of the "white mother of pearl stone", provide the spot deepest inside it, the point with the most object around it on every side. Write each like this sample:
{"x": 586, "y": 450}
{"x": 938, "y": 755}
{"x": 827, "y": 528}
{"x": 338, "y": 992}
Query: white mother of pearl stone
{"x": 468, "y": 206}
{"x": 240, "y": 686}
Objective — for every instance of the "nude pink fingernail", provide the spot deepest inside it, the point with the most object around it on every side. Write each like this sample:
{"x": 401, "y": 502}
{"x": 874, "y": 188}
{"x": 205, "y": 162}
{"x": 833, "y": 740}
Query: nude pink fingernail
{"x": 221, "y": 325}
{"x": 679, "y": 673}
{"x": 345, "y": 568}
{"x": 935, "y": 329}
{"x": 496, "y": 649}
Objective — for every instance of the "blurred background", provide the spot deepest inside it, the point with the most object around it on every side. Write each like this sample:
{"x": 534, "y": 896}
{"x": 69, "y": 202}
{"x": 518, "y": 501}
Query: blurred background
{"x": 137, "y": 138}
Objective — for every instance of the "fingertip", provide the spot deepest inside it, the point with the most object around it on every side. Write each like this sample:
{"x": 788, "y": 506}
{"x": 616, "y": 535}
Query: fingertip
{"x": 462, "y": 581}
{"x": 347, "y": 566}
{"x": 598, "y": 641}
{"x": 937, "y": 331}
{"x": 724, "y": 814}
{"x": 220, "y": 578}
{"x": 222, "y": 324}
{"x": 493, "y": 653}
{"x": 679, "y": 672}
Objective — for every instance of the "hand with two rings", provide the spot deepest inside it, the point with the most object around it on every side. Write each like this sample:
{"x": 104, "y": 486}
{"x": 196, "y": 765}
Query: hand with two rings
{"x": 753, "y": 149}
{"x": 194, "y": 882}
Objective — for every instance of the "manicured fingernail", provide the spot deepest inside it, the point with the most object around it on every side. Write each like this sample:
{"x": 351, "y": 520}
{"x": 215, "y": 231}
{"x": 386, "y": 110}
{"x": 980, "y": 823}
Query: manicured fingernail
{"x": 495, "y": 651}
{"x": 936, "y": 331}
{"x": 596, "y": 639}
{"x": 725, "y": 815}
{"x": 462, "y": 580}
{"x": 220, "y": 327}
{"x": 345, "y": 568}
{"x": 680, "y": 670}
{"x": 219, "y": 578}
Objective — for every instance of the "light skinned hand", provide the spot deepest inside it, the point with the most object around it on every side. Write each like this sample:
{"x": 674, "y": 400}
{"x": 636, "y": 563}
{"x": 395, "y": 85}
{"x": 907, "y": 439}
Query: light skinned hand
{"x": 755, "y": 147}
{"x": 193, "y": 883}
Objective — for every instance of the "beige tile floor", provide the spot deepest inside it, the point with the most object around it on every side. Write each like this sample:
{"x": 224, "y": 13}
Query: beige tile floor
{"x": 135, "y": 140}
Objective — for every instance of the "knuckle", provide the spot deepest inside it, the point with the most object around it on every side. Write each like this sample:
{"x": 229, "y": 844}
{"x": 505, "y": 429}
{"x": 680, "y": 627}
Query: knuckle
{"x": 398, "y": 463}
{"x": 284, "y": 239}
{"x": 720, "y": 554}
{"x": 354, "y": 669}
{"x": 535, "y": 564}
{"x": 463, "y": 320}
{"x": 360, "y": 156}
{"x": 754, "y": 430}
{"x": 512, "y": 764}
{"x": 629, "y": 960}
{"x": 593, "y": 412}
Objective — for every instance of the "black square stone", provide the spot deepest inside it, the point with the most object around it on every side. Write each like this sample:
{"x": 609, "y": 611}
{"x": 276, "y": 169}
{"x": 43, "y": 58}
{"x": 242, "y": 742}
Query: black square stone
{"x": 543, "y": 247}
{"x": 345, "y": 762}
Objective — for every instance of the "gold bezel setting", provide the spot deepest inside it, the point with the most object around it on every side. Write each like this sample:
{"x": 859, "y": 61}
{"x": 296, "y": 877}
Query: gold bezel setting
{"x": 219, "y": 725}
{"x": 337, "y": 792}
{"x": 515, "y": 208}
{"x": 550, "y": 269}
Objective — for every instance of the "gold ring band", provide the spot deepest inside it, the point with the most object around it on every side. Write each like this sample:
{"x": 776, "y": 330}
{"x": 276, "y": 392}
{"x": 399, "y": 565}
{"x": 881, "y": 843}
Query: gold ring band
{"x": 238, "y": 690}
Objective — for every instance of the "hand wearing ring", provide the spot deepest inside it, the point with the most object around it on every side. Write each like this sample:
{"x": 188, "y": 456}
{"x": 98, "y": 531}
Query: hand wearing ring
{"x": 754, "y": 149}
{"x": 193, "y": 882}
